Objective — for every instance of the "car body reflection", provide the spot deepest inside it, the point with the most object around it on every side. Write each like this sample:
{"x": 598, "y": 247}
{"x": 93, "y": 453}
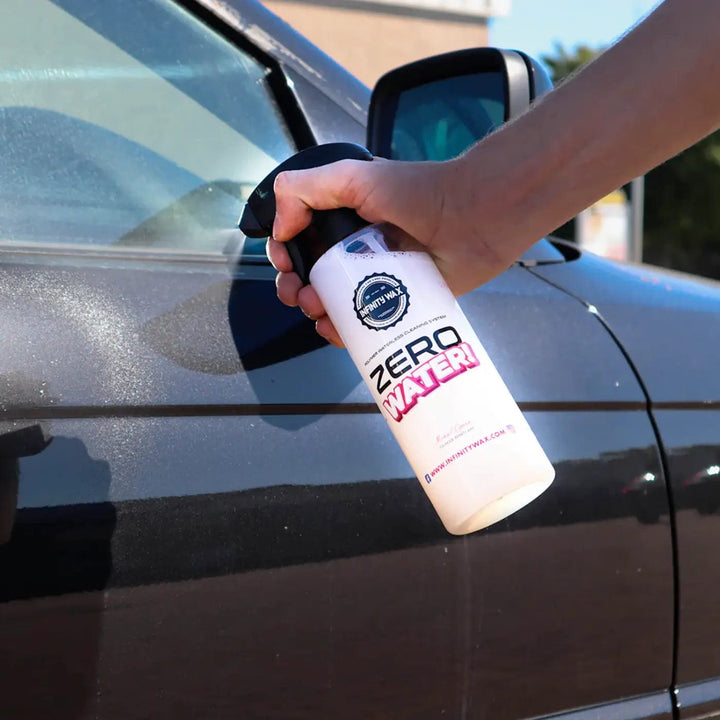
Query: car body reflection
{"x": 702, "y": 490}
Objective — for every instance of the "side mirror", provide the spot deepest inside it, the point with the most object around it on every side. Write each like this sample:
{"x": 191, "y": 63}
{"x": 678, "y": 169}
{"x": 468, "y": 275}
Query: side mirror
{"x": 435, "y": 108}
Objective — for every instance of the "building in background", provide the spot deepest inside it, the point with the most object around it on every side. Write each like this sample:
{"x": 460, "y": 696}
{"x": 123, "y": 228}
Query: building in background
{"x": 605, "y": 227}
{"x": 369, "y": 37}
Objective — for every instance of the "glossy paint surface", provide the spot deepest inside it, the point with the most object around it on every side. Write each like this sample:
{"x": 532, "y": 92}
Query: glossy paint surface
{"x": 668, "y": 323}
{"x": 692, "y": 441}
{"x": 340, "y": 593}
{"x": 210, "y": 461}
{"x": 670, "y": 327}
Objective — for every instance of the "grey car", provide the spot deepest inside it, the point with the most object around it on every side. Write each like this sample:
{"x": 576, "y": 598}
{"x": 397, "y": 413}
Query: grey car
{"x": 202, "y": 513}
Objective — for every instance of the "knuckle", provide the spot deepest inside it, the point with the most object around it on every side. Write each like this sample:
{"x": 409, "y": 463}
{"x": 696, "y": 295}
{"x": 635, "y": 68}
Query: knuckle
{"x": 282, "y": 183}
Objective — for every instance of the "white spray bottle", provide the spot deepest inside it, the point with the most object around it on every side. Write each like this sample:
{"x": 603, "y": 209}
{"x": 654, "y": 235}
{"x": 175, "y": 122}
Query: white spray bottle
{"x": 460, "y": 429}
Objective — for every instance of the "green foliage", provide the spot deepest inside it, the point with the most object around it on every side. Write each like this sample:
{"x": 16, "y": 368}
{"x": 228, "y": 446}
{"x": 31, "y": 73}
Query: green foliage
{"x": 564, "y": 63}
{"x": 682, "y": 211}
{"x": 682, "y": 196}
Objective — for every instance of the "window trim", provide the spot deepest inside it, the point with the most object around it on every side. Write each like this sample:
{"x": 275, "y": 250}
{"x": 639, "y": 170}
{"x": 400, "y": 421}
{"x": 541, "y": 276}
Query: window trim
{"x": 278, "y": 82}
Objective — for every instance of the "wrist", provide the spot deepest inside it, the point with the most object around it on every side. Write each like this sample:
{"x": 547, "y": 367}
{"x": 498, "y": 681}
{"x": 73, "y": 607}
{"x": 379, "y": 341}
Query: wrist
{"x": 467, "y": 241}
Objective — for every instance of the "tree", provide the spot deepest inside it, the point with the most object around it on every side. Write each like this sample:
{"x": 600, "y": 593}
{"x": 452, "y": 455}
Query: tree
{"x": 682, "y": 210}
{"x": 564, "y": 63}
{"x": 682, "y": 196}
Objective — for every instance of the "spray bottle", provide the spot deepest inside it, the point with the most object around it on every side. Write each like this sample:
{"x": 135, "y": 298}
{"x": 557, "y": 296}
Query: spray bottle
{"x": 455, "y": 420}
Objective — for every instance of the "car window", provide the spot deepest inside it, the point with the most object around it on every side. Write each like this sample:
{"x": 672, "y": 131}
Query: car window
{"x": 127, "y": 124}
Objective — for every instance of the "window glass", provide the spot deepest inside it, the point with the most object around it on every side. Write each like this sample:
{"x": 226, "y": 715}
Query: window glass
{"x": 439, "y": 120}
{"x": 127, "y": 123}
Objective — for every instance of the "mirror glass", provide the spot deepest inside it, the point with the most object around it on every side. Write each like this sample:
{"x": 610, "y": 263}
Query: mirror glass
{"x": 439, "y": 120}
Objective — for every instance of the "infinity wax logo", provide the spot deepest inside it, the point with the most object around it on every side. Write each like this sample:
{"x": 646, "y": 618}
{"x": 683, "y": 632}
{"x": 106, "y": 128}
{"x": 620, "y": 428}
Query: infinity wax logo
{"x": 381, "y": 301}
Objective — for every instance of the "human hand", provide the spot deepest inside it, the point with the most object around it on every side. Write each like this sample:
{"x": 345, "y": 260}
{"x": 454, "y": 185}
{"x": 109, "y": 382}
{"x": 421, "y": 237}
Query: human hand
{"x": 422, "y": 200}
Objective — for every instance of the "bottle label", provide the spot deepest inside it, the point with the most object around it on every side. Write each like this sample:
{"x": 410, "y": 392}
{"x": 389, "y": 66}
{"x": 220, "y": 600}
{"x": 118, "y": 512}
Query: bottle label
{"x": 440, "y": 393}
{"x": 427, "y": 378}
{"x": 381, "y": 301}
{"x": 418, "y": 367}
{"x": 406, "y": 351}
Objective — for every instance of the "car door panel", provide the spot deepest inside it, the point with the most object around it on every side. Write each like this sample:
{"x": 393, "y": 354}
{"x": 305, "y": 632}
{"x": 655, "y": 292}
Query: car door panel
{"x": 191, "y": 335}
{"x": 319, "y": 573}
{"x": 260, "y": 482}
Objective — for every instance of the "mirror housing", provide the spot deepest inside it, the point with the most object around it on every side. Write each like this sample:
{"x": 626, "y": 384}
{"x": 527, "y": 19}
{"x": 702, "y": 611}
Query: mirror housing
{"x": 435, "y": 108}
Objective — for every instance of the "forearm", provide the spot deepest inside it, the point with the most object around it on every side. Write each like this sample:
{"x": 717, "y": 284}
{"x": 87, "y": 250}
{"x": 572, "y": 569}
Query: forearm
{"x": 647, "y": 98}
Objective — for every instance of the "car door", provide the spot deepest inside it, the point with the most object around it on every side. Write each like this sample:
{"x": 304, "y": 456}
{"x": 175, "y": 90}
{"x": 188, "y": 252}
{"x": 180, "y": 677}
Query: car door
{"x": 203, "y": 515}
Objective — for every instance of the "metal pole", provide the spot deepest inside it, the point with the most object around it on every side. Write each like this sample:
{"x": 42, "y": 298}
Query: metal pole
{"x": 636, "y": 230}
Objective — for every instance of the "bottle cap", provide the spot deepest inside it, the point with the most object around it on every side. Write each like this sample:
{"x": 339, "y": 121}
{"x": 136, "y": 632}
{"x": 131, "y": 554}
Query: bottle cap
{"x": 327, "y": 227}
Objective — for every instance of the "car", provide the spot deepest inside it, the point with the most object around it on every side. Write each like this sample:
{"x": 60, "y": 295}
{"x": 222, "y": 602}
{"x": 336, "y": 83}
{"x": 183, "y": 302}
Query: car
{"x": 202, "y": 512}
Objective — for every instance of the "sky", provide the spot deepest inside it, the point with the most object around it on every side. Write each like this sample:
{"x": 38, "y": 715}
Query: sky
{"x": 534, "y": 26}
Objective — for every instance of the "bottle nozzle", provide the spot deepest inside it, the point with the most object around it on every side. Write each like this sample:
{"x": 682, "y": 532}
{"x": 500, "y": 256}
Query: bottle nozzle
{"x": 327, "y": 228}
